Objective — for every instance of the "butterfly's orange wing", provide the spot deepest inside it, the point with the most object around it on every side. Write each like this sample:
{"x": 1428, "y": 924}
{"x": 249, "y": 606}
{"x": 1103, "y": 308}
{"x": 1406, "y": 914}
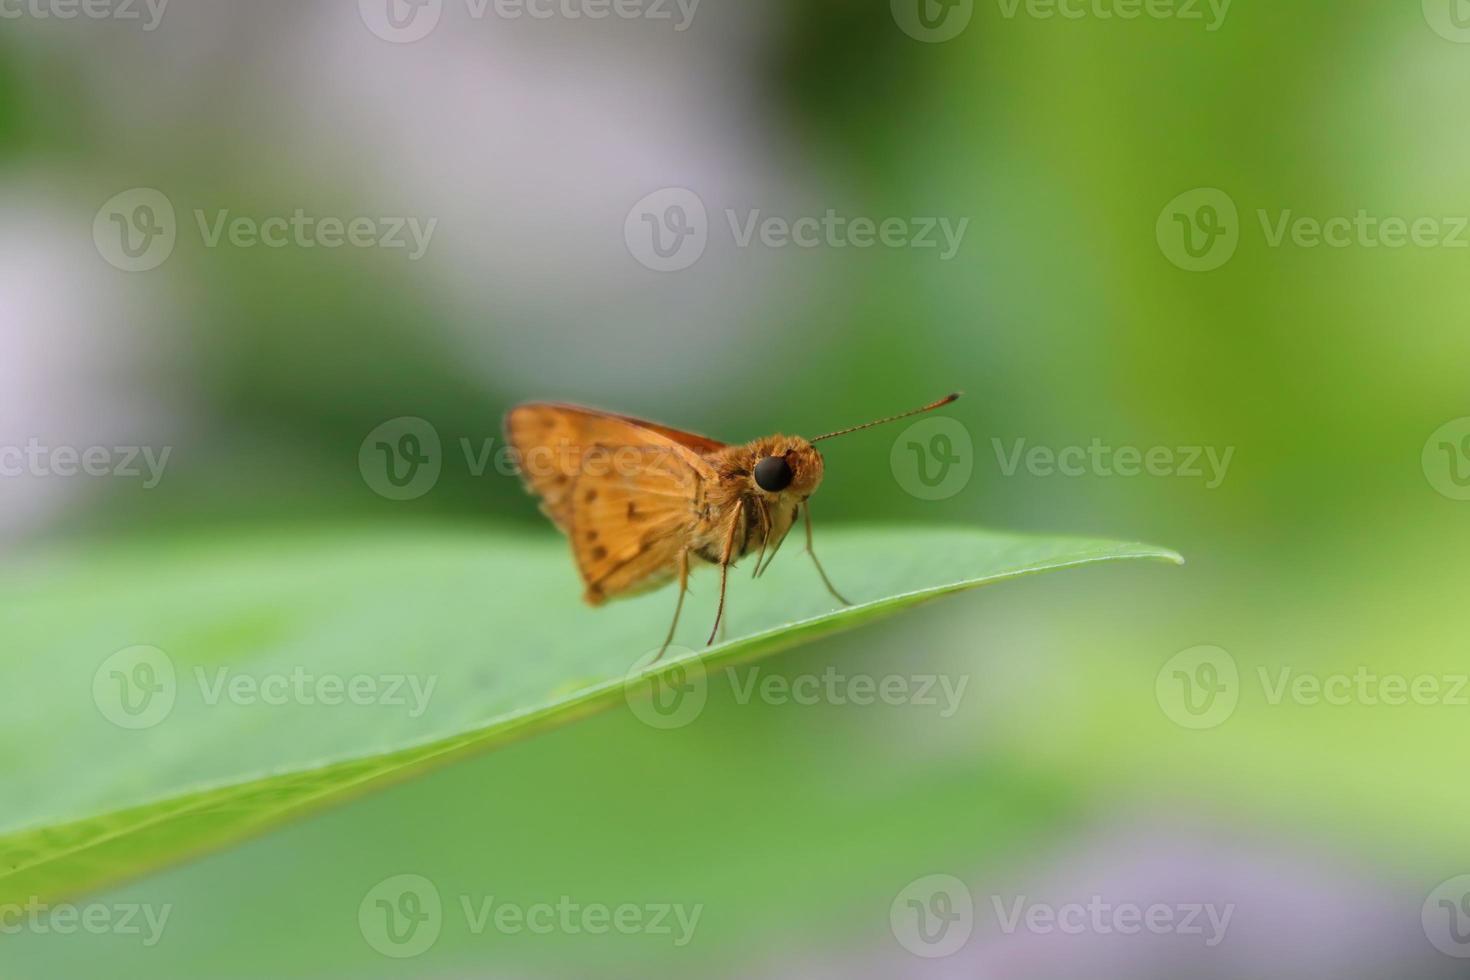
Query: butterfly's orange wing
{"x": 626, "y": 492}
{"x": 702, "y": 445}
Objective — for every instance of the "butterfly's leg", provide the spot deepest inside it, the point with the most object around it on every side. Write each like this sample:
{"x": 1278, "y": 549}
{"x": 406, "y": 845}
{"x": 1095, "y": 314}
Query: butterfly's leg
{"x": 725, "y": 558}
{"x": 807, "y": 513}
{"x": 774, "y": 551}
{"x": 683, "y": 561}
{"x": 765, "y": 539}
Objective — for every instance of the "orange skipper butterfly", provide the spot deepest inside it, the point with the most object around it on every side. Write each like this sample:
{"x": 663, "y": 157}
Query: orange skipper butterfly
{"x": 642, "y": 503}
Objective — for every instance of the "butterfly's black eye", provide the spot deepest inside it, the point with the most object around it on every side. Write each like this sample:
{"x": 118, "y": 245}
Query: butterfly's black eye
{"x": 773, "y": 474}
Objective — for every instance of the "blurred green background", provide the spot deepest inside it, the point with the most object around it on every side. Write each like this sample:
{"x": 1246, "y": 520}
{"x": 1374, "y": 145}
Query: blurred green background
{"x": 1333, "y": 544}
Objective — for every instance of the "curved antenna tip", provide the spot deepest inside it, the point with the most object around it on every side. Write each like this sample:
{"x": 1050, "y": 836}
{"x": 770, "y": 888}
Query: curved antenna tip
{"x": 892, "y": 418}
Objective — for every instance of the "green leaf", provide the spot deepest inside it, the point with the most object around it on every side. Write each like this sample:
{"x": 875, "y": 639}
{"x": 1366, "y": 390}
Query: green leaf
{"x": 165, "y": 701}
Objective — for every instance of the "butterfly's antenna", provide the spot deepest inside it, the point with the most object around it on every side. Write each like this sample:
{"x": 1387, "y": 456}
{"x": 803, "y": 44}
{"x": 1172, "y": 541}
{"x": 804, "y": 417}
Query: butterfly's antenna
{"x": 892, "y": 418}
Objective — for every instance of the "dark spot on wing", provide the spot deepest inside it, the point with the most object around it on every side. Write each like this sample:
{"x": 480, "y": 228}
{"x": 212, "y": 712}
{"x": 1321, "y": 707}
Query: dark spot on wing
{"x": 599, "y": 553}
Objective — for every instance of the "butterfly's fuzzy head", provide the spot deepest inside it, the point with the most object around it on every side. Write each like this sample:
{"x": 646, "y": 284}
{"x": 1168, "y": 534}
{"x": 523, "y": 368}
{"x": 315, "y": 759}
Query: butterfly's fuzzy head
{"x": 786, "y": 466}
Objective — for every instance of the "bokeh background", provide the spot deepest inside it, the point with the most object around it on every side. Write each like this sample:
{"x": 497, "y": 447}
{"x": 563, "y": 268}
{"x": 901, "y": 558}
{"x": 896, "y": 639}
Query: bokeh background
{"x": 1333, "y": 544}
